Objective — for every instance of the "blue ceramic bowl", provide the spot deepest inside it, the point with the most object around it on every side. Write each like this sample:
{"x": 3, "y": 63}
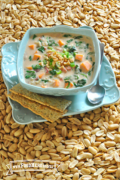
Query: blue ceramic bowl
{"x": 85, "y": 30}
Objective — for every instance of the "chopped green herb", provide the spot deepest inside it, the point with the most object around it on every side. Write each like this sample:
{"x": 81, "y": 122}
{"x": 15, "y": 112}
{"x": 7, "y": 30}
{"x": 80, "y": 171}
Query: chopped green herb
{"x": 90, "y": 58}
{"x": 67, "y": 35}
{"x": 68, "y": 83}
{"x": 83, "y": 75}
{"x": 49, "y": 47}
{"x": 91, "y": 53}
{"x": 72, "y": 64}
{"x": 30, "y": 74}
{"x": 80, "y": 83}
{"x": 78, "y": 37}
{"x": 76, "y": 77}
{"x": 66, "y": 46}
{"x": 50, "y": 62}
{"x": 42, "y": 49}
{"x": 58, "y": 72}
{"x": 87, "y": 45}
{"x": 30, "y": 58}
{"x": 67, "y": 78}
{"x": 57, "y": 64}
{"x": 78, "y": 43}
{"x": 52, "y": 42}
{"x": 62, "y": 54}
{"x": 39, "y": 61}
{"x": 93, "y": 65}
{"x": 70, "y": 49}
{"x": 37, "y": 66}
{"x": 89, "y": 73}
{"x": 87, "y": 57}
{"x": 44, "y": 61}
{"x": 53, "y": 72}
{"x": 50, "y": 76}
{"x": 45, "y": 80}
{"x": 74, "y": 54}
{"x": 67, "y": 54}
{"x": 34, "y": 36}
{"x": 28, "y": 71}
{"x": 69, "y": 40}
{"x": 64, "y": 50}
{"x": 77, "y": 69}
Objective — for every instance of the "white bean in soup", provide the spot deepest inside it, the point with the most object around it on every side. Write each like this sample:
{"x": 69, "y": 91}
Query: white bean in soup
{"x": 59, "y": 60}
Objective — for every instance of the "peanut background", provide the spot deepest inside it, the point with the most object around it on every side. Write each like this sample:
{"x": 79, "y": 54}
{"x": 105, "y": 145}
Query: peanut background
{"x": 86, "y": 146}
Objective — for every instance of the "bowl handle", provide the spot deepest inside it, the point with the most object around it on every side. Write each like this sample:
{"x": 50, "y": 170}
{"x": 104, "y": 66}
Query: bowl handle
{"x": 86, "y": 27}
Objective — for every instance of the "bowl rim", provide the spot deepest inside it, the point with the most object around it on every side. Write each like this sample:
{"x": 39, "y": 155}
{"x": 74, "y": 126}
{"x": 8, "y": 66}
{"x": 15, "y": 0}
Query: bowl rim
{"x": 36, "y": 88}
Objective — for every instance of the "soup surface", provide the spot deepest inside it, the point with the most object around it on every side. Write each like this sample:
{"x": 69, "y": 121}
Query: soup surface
{"x": 59, "y": 60}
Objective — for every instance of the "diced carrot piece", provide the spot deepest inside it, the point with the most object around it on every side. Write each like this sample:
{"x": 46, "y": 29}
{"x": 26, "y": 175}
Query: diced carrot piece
{"x": 61, "y": 43}
{"x": 32, "y": 46}
{"x": 71, "y": 84}
{"x": 36, "y": 52}
{"x": 79, "y": 57}
{"x": 66, "y": 84}
{"x": 30, "y": 68}
{"x": 43, "y": 86}
{"x": 57, "y": 83}
{"x": 41, "y": 75}
{"x": 36, "y": 56}
{"x": 85, "y": 66}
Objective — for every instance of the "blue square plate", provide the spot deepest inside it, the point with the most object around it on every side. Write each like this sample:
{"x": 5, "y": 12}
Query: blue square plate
{"x": 79, "y": 104}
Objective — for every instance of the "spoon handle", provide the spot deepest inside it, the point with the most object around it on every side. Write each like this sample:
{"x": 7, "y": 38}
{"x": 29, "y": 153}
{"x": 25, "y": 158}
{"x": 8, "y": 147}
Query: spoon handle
{"x": 102, "y": 52}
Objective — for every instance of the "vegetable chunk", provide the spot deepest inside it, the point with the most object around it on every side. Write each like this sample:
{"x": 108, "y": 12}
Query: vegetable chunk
{"x": 68, "y": 84}
{"x": 43, "y": 86}
{"x": 71, "y": 84}
{"x": 61, "y": 43}
{"x": 85, "y": 66}
{"x": 36, "y": 52}
{"x": 57, "y": 83}
{"x": 79, "y": 57}
{"x": 32, "y": 46}
{"x": 36, "y": 57}
{"x": 41, "y": 75}
{"x": 30, "y": 68}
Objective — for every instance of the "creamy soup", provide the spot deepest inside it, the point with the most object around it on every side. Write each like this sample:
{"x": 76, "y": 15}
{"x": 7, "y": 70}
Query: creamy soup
{"x": 59, "y": 60}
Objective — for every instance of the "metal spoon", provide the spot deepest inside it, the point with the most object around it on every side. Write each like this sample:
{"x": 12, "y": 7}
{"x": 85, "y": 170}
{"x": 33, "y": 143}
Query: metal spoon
{"x": 96, "y": 93}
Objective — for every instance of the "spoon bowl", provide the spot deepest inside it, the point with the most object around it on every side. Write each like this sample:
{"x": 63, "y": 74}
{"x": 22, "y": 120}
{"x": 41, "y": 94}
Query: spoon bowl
{"x": 96, "y": 93}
